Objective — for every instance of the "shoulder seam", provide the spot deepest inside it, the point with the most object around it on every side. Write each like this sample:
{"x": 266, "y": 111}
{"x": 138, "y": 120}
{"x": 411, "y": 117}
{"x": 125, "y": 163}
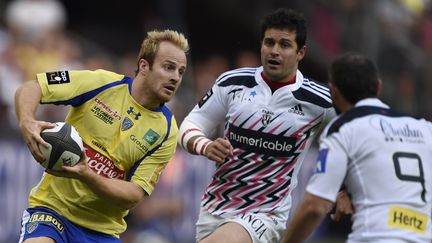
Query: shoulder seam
{"x": 236, "y": 73}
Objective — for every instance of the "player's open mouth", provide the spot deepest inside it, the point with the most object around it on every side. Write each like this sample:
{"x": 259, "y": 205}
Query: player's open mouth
{"x": 273, "y": 63}
{"x": 170, "y": 88}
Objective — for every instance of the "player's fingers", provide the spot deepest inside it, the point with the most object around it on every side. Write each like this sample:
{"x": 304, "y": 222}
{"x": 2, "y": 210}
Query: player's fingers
{"x": 34, "y": 150}
{"x": 218, "y": 160}
{"x": 222, "y": 150}
{"x": 346, "y": 209}
{"x": 65, "y": 171}
{"x": 217, "y": 157}
{"x": 40, "y": 141}
{"x": 69, "y": 169}
{"x": 46, "y": 125}
{"x": 344, "y": 205}
{"x": 222, "y": 153}
{"x": 223, "y": 143}
{"x": 83, "y": 157}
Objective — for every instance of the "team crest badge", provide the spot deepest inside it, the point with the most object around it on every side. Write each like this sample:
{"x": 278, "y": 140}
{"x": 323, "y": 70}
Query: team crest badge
{"x": 266, "y": 117}
{"x": 151, "y": 137}
{"x": 31, "y": 227}
{"x": 126, "y": 124}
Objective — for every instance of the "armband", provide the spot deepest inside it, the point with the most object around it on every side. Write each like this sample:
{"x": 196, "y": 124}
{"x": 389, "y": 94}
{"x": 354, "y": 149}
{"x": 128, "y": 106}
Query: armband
{"x": 187, "y": 131}
{"x": 200, "y": 144}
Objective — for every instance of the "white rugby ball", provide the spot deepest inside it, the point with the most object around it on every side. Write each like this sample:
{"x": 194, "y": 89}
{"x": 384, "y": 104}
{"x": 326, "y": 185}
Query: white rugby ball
{"x": 65, "y": 146}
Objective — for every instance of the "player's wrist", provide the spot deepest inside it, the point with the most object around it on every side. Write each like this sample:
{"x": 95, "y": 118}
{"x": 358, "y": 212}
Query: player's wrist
{"x": 200, "y": 145}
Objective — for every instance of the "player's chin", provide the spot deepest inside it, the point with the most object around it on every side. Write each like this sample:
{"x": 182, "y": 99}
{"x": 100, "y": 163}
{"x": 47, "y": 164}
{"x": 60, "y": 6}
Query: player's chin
{"x": 272, "y": 71}
{"x": 166, "y": 97}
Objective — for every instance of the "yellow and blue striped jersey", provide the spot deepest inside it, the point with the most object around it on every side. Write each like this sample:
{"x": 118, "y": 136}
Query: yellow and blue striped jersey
{"x": 122, "y": 139}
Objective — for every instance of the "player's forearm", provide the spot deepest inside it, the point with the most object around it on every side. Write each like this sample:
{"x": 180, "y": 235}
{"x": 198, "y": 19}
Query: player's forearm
{"x": 198, "y": 144}
{"x": 27, "y": 99}
{"x": 192, "y": 139}
{"x": 124, "y": 194}
{"x": 308, "y": 216}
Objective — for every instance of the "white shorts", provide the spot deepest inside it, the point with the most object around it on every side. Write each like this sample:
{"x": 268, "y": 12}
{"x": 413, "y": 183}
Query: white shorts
{"x": 261, "y": 227}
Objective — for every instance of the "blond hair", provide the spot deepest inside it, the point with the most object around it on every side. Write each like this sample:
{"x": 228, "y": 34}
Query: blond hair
{"x": 150, "y": 45}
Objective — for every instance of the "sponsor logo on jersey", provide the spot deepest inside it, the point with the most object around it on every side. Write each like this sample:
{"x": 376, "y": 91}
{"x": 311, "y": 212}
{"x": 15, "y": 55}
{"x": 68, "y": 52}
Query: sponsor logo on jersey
{"x": 297, "y": 109}
{"x": 396, "y": 131}
{"x": 266, "y": 117}
{"x": 126, "y": 124}
{"x": 242, "y": 96}
{"x": 236, "y": 93}
{"x": 99, "y": 145}
{"x": 45, "y": 218}
{"x": 136, "y": 115}
{"x": 151, "y": 137}
{"x": 322, "y": 160}
{"x": 139, "y": 144}
{"x": 262, "y": 143}
{"x": 102, "y": 165}
{"x": 205, "y": 98}
{"x": 104, "y": 113}
{"x": 404, "y": 218}
{"x": 60, "y": 77}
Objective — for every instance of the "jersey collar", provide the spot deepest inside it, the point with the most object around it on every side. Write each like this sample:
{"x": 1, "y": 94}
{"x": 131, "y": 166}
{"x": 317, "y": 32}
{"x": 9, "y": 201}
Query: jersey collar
{"x": 292, "y": 87}
{"x": 371, "y": 102}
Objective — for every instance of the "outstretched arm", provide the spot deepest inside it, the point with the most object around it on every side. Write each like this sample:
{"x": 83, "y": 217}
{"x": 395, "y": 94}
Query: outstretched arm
{"x": 124, "y": 194}
{"x": 308, "y": 216}
{"x": 193, "y": 140}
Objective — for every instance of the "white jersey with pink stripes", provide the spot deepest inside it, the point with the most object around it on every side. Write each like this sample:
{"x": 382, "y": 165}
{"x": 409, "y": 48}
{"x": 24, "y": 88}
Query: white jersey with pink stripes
{"x": 270, "y": 132}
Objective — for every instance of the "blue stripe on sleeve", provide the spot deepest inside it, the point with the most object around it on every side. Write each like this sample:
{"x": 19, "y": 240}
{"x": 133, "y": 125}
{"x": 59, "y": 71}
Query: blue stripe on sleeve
{"x": 79, "y": 100}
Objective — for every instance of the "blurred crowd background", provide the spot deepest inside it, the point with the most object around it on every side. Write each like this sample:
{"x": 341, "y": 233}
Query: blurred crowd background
{"x": 50, "y": 35}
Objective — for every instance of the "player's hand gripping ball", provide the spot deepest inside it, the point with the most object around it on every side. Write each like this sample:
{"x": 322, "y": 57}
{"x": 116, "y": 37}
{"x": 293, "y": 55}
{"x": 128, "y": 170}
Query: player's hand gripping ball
{"x": 65, "y": 146}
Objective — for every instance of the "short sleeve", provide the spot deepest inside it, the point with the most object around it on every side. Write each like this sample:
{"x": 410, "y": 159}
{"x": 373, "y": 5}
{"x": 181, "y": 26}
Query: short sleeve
{"x": 331, "y": 168}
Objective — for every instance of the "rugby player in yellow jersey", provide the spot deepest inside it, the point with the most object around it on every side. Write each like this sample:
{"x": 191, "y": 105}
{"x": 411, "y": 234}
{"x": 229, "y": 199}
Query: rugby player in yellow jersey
{"x": 129, "y": 136}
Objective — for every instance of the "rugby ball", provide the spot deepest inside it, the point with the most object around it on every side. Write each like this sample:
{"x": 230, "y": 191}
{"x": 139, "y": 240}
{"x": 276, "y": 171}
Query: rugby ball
{"x": 65, "y": 146}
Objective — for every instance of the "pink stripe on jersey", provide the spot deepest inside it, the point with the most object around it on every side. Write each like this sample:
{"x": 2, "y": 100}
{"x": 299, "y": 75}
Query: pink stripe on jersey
{"x": 275, "y": 128}
{"x": 235, "y": 118}
{"x": 262, "y": 196}
{"x": 249, "y": 180}
{"x": 225, "y": 168}
{"x": 254, "y": 124}
{"x": 296, "y": 133}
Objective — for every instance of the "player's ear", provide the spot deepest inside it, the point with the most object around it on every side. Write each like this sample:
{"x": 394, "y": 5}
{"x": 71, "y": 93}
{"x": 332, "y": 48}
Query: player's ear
{"x": 333, "y": 90}
{"x": 143, "y": 65}
{"x": 301, "y": 53}
{"x": 379, "y": 87}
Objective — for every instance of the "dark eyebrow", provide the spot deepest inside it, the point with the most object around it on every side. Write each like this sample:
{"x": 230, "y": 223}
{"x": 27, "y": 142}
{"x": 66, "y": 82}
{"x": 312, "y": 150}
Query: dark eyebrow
{"x": 288, "y": 40}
